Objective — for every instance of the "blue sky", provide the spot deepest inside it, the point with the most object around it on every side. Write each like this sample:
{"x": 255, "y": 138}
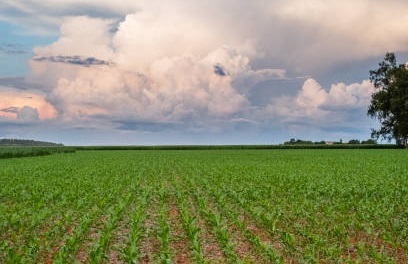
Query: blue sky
{"x": 213, "y": 72}
{"x": 16, "y": 47}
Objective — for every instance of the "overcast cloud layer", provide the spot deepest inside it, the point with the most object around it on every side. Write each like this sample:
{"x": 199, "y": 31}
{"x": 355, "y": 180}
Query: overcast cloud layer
{"x": 187, "y": 67}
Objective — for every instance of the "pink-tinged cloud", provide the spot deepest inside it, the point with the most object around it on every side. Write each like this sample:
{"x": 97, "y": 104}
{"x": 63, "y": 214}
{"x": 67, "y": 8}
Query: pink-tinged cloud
{"x": 175, "y": 64}
{"x": 143, "y": 79}
{"x": 313, "y": 104}
{"x": 16, "y": 104}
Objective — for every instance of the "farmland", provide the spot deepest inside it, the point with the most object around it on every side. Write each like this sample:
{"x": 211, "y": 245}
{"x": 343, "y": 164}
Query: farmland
{"x": 206, "y": 206}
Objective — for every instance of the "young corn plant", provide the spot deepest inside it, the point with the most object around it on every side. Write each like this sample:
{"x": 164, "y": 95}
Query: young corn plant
{"x": 217, "y": 225}
{"x": 99, "y": 249}
{"x": 72, "y": 243}
{"x": 190, "y": 227}
{"x": 262, "y": 248}
{"x": 130, "y": 252}
{"x": 163, "y": 233}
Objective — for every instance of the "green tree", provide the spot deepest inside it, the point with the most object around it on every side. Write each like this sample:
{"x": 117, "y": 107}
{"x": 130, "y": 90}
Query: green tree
{"x": 354, "y": 141}
{"x": 389, "y": 104}
{"x": 369, "y": 141}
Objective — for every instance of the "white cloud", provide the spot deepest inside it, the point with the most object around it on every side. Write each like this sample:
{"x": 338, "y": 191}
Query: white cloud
{"x": 315, "y": 106}
{"x": 168, "y": 88}
{"x": 312, "y": 95}
{"x": 306, "y": 36}
{"x": 81, "y": 36}
{"x": 342, "y": 96}
{"x": 330, "y": 32}
{"x": 150, "y": 35}
{"x": 197, "y": 63}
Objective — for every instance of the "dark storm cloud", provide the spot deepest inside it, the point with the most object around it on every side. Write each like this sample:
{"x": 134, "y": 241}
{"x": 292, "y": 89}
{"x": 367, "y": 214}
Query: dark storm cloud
{"x": 76, "y": 60}
{"x": 219, "y": 70}
{"x": 14, "y": 110}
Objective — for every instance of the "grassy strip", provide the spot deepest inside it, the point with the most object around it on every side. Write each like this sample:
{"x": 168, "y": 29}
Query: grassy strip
{"x": 237, "y": 147}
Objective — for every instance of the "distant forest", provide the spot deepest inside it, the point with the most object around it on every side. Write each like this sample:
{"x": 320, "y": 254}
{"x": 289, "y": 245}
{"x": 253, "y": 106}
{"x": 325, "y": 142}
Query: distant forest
{"x": 27, "y": 142}
{"x": 294, "y": 141}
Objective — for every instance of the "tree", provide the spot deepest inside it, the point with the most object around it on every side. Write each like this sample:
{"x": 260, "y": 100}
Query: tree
{"x": 369, "y": 142}
{"x": 389, "y": 104}
{"x": 354, "y": 141}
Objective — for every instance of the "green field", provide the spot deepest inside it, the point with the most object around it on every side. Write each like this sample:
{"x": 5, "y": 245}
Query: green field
{"x": 206, "y": 206}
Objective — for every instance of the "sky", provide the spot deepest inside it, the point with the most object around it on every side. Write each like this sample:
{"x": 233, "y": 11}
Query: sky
{"x": 127, "y": 72}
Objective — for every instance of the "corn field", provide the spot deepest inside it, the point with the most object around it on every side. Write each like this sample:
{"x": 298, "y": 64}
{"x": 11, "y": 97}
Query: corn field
{"x": 205, "y": 206}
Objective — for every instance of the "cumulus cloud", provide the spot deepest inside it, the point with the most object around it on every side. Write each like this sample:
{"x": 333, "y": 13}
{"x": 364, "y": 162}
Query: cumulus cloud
{"x": 303, "y": 36}
{"x": 24, "y": 106}
{"x": 27, "y": 114}
{"x": 173, "y": 89}
{"x": 315, "y": 106}
{"x": 130, "y": 77}
{"x": 129, "y": 65}
{"x": 321, "y": 34}
{"x": 81, "y": 36}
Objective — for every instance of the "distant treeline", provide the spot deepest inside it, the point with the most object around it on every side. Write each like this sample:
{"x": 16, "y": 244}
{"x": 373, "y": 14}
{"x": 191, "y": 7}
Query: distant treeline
{"x": 29, "y": 151}
{"x": 294, "y": 141}
{"x": 16, "y": 148}
{"x": 27, "y": 142}
{"x": 13, "y": 148}
{"x": 237, "y": 147}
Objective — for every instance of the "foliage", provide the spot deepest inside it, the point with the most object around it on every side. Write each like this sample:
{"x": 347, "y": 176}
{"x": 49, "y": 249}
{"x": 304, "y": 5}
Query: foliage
{"x": 19, "y": 151}
{"x": 389, "y": 104}
{"x": 317, "y": 145}
{"x": 27, "y": 142}
{"x": 369, "y": 142}
{"x": 206, "y": 206}
{"x": 294, "y": 141}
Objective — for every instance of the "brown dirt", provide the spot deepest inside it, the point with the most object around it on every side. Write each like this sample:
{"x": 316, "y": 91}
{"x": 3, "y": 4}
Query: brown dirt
{"x": 44, "y": 255}
{"x": 212, "y": 252}
{"x": 399, "y": 255}
{"x": 47, "y": 257}
{"x": 243, "y": 248}
{"x": 179, "y": 245}
{"x": 92, "y": 236}
{"x": 118, "y": 241}
{"x": 149, "y": 244}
